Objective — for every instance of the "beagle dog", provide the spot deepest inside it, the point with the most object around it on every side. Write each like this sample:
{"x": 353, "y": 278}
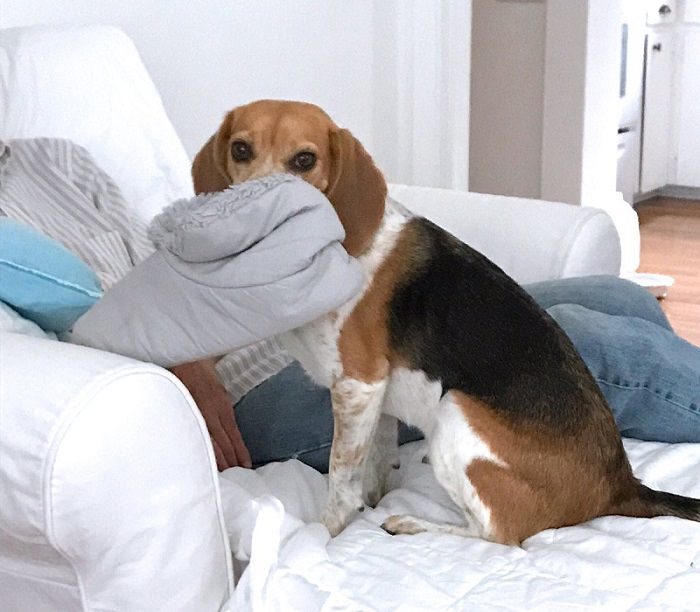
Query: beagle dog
{"x": 519, "y": 434}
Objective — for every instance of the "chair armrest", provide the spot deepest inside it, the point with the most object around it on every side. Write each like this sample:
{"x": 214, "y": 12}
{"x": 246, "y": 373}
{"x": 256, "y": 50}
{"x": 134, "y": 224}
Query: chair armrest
{"x": 532, "y": 240}
{"x": 110, "y": 495}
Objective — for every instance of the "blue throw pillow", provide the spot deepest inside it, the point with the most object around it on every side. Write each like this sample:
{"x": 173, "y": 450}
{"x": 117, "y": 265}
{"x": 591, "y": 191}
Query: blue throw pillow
{"x": 42, "y": 280}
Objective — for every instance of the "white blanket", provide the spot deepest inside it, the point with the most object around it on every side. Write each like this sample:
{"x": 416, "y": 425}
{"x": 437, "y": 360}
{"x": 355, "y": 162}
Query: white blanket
{"x": 611, "y": 563}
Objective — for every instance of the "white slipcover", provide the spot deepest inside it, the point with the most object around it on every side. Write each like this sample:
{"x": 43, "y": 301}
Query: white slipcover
{"x": 109, "y": 495}
{"x": 88, "y": 84}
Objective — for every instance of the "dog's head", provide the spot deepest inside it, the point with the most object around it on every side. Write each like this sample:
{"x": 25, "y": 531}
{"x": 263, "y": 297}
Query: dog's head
{"x": 271, "y": 136}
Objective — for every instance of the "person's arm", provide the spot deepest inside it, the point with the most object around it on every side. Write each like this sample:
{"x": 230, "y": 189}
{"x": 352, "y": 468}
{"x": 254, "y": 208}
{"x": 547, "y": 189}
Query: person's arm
{"x": 214, "y": 403}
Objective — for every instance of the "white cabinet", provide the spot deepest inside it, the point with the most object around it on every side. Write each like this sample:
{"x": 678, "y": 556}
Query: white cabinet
{"x": 692, "y": 11}
{"x": 671, "y": 132}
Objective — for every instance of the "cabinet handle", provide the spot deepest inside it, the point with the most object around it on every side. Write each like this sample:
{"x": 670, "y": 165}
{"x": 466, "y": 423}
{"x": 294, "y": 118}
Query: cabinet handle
{"x": 656, "y": 47}
{"x": 664, "y": 9}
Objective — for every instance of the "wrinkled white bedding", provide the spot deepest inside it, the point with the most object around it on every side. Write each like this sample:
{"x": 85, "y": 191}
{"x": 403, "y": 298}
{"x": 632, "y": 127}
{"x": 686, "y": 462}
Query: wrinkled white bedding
{"x": 612, "y": 563}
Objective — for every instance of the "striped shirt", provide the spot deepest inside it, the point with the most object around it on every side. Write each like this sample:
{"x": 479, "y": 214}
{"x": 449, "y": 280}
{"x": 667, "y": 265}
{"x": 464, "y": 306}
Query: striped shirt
{"x": 55, "y": 186}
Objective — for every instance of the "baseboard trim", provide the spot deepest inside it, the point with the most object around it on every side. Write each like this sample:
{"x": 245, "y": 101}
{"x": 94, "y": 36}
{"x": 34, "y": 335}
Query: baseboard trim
{"x": 647, "y": 195}
{"x": 670, "y": 191}
{"x": 680, "y": 191}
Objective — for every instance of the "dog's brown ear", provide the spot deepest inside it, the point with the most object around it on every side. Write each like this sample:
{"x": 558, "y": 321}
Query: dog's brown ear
{"x": 209, "y": 165}
{"x": 357, "y": 190}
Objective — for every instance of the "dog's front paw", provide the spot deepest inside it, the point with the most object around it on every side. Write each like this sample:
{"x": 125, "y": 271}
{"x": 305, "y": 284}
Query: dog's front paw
{"x": 334, "y": 523}
{"x": 336, "y": 519}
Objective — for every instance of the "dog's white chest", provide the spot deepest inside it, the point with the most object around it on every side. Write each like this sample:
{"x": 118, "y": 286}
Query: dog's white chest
{"x": 315, "y": 345}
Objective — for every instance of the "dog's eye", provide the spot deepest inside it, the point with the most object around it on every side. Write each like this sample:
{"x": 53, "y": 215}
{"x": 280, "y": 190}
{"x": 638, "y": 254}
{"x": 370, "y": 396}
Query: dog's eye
{"x": 303, "y": 162}
{"x": 241, "y": 151}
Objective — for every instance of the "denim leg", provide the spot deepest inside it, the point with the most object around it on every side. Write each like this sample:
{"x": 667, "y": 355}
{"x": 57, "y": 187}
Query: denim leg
{"x": 289, "y": 416}
{"x": 650, "y": 376}
{"x": 609, "y": 294}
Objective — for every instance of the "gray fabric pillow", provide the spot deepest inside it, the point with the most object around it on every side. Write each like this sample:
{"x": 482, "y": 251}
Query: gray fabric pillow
{"x": 230, "y": 269}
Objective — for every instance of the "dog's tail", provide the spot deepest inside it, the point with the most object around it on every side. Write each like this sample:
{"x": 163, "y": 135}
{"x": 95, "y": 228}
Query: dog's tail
{"x": 648, "y": 503}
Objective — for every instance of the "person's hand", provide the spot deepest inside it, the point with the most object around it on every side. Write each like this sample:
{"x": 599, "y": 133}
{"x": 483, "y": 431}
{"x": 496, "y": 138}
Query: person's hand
{"x": 215, "y": 405}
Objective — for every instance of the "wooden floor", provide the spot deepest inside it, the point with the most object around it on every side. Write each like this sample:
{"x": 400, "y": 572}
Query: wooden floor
{"x": 671, "y": 245}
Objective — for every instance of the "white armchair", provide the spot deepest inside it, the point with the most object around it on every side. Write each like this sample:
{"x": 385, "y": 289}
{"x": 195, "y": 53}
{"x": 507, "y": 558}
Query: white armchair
{"x": 108, "y": 492}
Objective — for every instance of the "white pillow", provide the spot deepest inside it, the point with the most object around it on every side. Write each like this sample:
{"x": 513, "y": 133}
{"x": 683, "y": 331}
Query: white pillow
{"x": 12, "y": 322}
{"x": 88, "y": 84}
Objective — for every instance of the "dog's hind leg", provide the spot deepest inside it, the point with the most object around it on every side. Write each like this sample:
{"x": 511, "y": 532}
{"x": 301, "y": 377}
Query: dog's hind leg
{"x": 382, "y": 458}
{"x": 356, "y": 411}
{"x": 410, "y": 525}
{"x": 453, "y": 447}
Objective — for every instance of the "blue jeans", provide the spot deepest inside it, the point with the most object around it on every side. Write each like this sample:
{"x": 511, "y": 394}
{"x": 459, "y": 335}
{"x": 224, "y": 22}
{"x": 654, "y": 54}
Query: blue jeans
{"x": 650, "y": 376}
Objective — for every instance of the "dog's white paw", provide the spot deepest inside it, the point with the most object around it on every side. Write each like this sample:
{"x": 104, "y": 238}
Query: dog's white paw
{"x": 333, "y": 525}
{"x": 336, "y": 520}
{"x": 397, "y": 525}
{"x": 411, "y": 525}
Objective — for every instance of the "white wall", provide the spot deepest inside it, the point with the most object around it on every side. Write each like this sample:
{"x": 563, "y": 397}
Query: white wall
{"x": 507, "y": 91}
{"x": 207, "y": 56}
